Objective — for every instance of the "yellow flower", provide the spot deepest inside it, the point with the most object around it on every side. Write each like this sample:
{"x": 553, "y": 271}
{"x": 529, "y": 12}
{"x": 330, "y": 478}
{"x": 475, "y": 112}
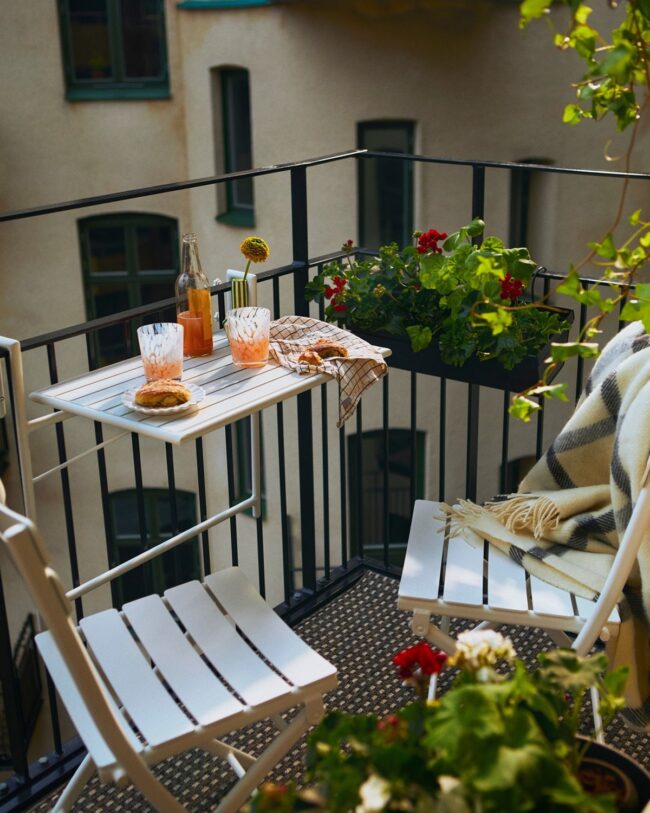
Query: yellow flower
{"x": 255, "y": 249}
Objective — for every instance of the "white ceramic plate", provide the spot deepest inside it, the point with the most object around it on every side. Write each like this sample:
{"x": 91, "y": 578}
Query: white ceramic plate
{"x": 198, "y": 394}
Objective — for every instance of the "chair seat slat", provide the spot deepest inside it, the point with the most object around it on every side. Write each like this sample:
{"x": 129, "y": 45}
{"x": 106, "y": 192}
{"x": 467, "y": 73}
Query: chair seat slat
{"x": 130, "y": 675}
{"x": 189, "y": 677}
{"x": 463, "y": 573}
{"x": 227, "y": 651}
{"x": 264, "y": 628}
{"x": 421, "y": 572}
{"x": 506, "y": 582}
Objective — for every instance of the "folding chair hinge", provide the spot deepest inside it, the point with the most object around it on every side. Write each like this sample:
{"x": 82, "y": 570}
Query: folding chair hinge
{"x": 420, "y": 622}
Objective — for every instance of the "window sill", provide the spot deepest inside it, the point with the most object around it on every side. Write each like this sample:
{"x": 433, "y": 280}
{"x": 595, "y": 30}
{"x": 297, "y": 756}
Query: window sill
{"x": 116, "y": 92}
{"x": 237, "y": 217}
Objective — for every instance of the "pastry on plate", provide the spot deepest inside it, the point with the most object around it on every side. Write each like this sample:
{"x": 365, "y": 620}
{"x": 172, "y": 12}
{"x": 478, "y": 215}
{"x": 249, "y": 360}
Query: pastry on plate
{"x": 162, "y": 393}
{"x": 316, "y": 353}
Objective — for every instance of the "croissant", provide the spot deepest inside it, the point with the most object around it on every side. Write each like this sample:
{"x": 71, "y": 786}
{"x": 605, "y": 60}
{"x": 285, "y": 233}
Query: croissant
{"x": 162, "y": 393}
{"x": 316, "y": 353}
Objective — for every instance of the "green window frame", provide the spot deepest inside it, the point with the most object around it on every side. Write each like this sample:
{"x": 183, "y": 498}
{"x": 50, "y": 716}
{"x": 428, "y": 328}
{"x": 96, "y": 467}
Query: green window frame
{"x": 176, "y": 566}
{"x": 114, "y": 49}
{"x": 385, "y": 186}
{"x": 127, "y": 260}
{"x": 237, "y": 206}
{"x": 400, "y": 470}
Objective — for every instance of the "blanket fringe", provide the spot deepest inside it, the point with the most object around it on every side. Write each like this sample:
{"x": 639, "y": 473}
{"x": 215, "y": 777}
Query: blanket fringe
{"x": 538, "y": 515}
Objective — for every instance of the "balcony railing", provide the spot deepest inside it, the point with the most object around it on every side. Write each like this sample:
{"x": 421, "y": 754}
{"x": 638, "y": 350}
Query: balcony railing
{"x": 338, "y": 501}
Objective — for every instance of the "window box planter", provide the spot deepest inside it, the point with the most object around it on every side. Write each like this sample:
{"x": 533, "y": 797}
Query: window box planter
{"x": 486, "y": 373}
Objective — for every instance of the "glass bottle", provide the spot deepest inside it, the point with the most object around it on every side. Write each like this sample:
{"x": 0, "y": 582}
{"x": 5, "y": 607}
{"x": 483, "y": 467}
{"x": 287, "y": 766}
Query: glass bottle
{"x": 193, "y": 305}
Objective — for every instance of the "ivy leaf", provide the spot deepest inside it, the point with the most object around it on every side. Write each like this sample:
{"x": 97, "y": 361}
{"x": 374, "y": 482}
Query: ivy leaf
{"x": 523, "y": 408}
{"x": 619, "y": 62}
{"x": 573, "y": 114}
{"x": 639, "y": 307}
{"x": 606, "y": 248}
{"x": 532, "y": 9}
{"x": 551, "y": 391}
{"x": 562, "y": 351}
{"x": 635, "y": 217}
{"x": 420, "y": 337}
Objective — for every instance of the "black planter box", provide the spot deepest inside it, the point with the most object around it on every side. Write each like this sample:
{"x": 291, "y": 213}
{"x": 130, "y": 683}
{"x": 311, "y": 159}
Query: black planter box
{"x": 486, "y": 373}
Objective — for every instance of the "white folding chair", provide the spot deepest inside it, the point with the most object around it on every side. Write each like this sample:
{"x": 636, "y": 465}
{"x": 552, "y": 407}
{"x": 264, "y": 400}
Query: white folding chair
{"x": 167, "y": 674}
{"x": 446, "y": 576}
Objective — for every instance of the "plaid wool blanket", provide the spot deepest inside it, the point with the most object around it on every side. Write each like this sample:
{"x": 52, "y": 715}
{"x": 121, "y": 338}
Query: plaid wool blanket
{"x": 363, "y": 365}
{"x": 571, "y": 510}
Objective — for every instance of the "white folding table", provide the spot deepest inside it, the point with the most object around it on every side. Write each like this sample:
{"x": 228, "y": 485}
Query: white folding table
{"x": 231, "y": 393}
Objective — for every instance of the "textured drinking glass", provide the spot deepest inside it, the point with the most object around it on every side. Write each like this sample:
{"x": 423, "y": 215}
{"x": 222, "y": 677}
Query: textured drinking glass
{"x": 161, "y": 348}
{"x": 248, "y": 334}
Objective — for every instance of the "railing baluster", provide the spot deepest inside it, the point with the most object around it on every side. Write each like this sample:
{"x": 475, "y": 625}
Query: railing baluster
{"x": 259, "y": 528}
{"x": 385, "y": 473}
{"x": 504, "y": 484}
{"x": 326, "y": 481}
{"x": 358, "y": 484}
{"x": 442, "y": 439}
{"x": 344, "y": 497}
{"x": 413, "y": 438}
{"x": 230, "y": 462}
{"x": 203, "y": 505}
{"x": 65, "y": 486}
{"x": 13, "y": 711}
{"x": 139, "y": 492}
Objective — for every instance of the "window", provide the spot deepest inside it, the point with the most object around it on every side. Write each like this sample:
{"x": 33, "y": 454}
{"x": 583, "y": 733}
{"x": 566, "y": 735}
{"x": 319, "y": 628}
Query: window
{"x": 178, "y": 565}
{"x": 127, "y": 260}
{"x": 385, "y": 185}
{"x": 231, "y": 92}
{"x": 114, "y": 49}
{"x": 401, "y": 468}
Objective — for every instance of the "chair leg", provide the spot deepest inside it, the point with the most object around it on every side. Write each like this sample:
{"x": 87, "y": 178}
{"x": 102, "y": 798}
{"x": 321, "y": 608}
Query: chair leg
{"x": 237, "y": 795}
{"x": 75, "y": 786}
{"x": 221, "y": 749}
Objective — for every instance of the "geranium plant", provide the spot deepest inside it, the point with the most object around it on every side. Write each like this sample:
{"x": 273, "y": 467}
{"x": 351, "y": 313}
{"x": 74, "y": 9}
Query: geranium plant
{"x": 492, "y": 743}
{"x": 462, "y": 292}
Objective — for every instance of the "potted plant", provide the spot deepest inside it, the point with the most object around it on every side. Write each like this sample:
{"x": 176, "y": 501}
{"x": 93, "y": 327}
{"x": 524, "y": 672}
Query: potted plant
{"x": 447, "y": 305}
{"x": 492, "y": 743}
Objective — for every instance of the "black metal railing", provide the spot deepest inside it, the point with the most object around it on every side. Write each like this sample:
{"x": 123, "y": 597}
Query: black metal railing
{"x": 457, "y": 440}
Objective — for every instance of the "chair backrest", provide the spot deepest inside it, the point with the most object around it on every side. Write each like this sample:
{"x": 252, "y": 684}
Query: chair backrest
{"x": 24, "y": 544}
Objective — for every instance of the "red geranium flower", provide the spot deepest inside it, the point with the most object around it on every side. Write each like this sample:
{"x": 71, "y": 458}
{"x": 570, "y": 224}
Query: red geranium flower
{"x": 511, "y": 287}
{"x": 421, "y": 656}
{"x": 340, "y": 283}
{"x": 339, "y": 307}
{"x": 329, "y": 292}
{"x": 428, "y": 241}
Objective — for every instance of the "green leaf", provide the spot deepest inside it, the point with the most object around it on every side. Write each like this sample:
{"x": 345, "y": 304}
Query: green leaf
{"x": 635, "y": 217}
{"x": 497, "y": 320}
{"x": 606, "y": 248}
{"x": 639, "y": 307}
{"x": 551, "y": 391}
{"x": 619, "y": 62}
{"x": 573, "y": 114}
{"x": 561, "y": 351}
{"x": 523, "y": 408}
{"x": 532, "y": 9}
{"x": 420, "y": 337}
{"x": 430, "y": 267}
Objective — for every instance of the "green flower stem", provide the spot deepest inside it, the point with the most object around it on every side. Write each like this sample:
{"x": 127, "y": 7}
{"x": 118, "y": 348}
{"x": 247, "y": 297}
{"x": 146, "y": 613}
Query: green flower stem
{"x": 248, "y": 265}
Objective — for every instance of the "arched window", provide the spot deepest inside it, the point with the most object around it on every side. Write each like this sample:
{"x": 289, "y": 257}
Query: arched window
{"x": 385, "y": 193}
{"x": 233, "y": 144}
{"x": 181, "y": 564}
{"x": 127, "y": 260}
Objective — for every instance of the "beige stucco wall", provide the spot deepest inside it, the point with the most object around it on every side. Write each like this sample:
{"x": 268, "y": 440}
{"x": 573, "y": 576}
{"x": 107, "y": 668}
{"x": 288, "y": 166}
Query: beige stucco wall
{"x": 476, "y": 87}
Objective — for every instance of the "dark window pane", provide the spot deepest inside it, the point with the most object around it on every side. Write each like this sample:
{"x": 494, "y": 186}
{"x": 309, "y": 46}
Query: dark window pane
{"x": 237, "y": 130}
{"x": 156, "y": 291}
{"x": 114, "y": 341}
{"x": 155, "y": 248}
{"x": 185, "y": 511}
{"x": 107, "y": 249}
{"x": 385, "y": 187}
{"x": 141, "y": 37}
{"x": 89, "y": 39}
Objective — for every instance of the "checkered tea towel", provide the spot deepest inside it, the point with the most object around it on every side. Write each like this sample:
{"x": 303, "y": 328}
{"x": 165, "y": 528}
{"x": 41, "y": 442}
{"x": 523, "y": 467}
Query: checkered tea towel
{"x": 364, "y": 365}
{"x": 565, "y": 522}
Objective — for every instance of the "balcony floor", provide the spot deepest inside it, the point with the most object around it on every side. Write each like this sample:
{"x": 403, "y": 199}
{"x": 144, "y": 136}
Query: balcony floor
{"x": 359, "y": 631}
